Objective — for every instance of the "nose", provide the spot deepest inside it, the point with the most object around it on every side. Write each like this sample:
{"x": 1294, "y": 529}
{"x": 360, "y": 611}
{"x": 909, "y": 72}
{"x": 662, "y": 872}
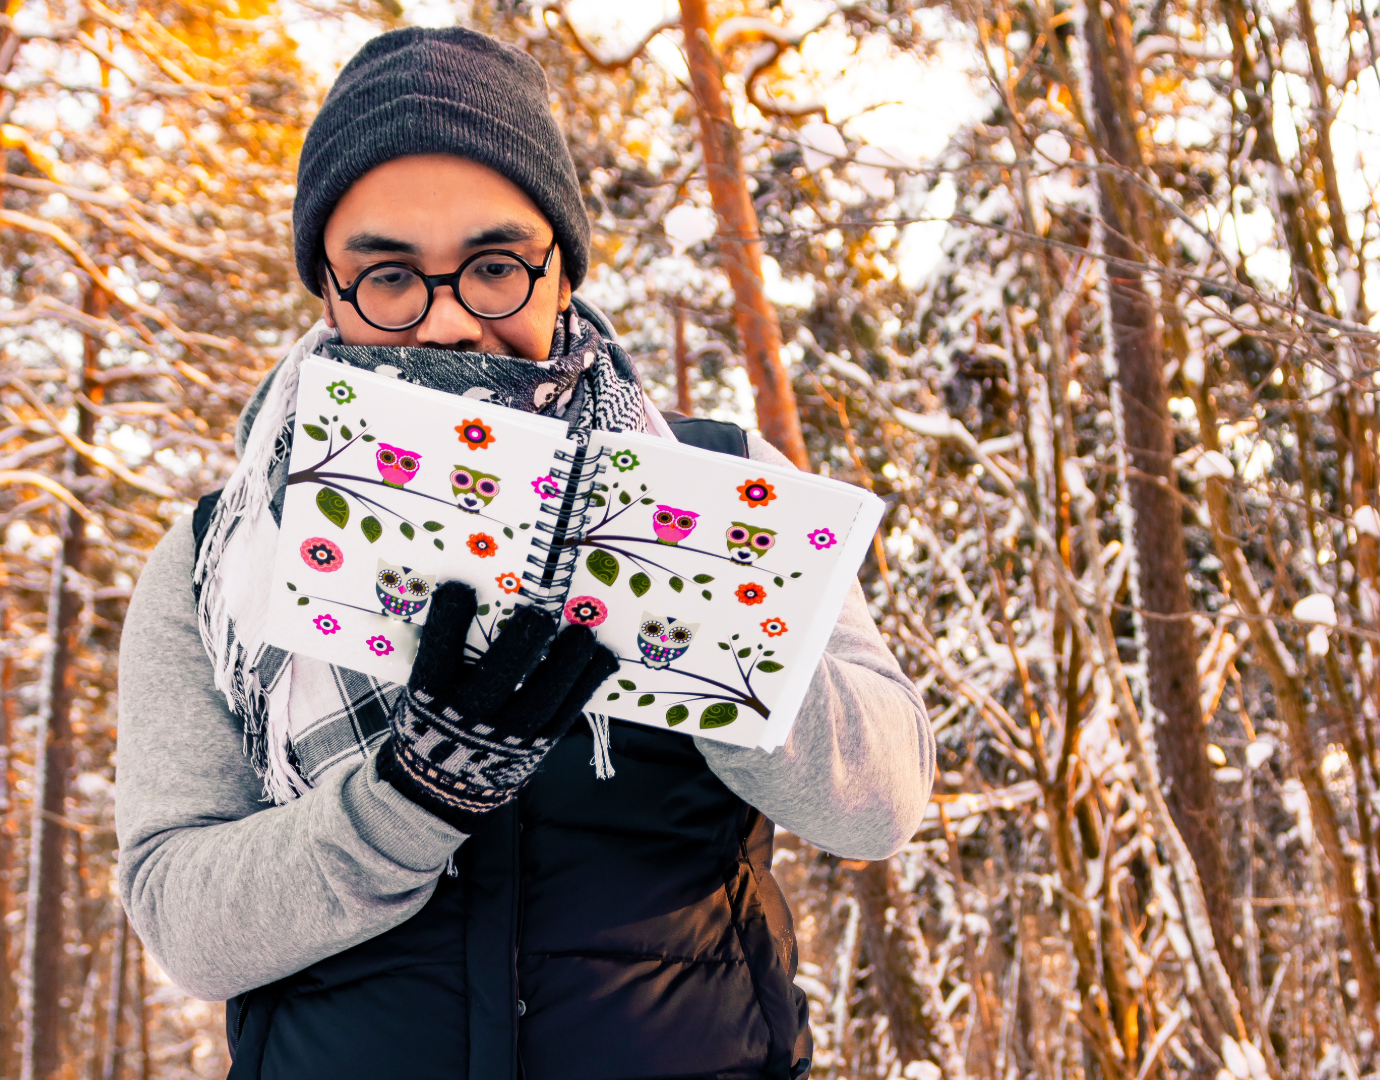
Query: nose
{"x": 448, "y": 323}
{"x": 663, "y": 637}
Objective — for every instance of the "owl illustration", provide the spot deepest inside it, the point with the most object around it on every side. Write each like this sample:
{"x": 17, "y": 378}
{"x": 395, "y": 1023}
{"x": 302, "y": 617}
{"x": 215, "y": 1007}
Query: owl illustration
{"x": 474, "y": 489}
{"x": 671, "y": 525}
{"x": 748, "y": 543}
{"x": 402, "y": 592}
{"x": 396, "y": 466}
{"x": 662, "y": 640}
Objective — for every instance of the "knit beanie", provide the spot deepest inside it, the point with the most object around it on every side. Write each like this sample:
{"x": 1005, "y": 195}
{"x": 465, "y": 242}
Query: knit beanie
{"x": 439, "y": 91}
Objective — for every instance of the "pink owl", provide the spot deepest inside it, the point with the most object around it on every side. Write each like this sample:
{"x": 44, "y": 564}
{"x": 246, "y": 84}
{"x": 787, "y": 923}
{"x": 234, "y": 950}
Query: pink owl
{"x": 671, "y": 525}
{"x": 396, "y": 466}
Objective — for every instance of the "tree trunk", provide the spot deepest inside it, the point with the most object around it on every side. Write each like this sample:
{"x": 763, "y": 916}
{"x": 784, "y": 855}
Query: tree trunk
{"x": 43, "y": 952}
{"x": 740, "y": 242}
{"x": 8, "y": 998}
{"x": 113, "y": 1058}
{"x": 1171, "y": 652}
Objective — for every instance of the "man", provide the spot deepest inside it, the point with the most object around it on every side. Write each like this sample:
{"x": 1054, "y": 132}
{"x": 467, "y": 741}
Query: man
{"x": 445, "y": 886}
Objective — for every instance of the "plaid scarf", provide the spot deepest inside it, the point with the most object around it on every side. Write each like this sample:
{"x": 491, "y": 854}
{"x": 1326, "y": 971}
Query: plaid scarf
{"x": 302, "y": 717}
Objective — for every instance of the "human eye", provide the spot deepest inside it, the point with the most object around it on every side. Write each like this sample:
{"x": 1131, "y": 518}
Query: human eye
{"x": 391, "y": 279}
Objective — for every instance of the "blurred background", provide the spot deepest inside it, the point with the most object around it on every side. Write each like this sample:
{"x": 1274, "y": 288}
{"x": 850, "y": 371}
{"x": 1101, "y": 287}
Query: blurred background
{"x": 1084, "y": 291}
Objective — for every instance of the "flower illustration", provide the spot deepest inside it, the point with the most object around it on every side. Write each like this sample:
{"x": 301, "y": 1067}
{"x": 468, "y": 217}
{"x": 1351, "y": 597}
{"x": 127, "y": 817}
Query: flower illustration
{"x": 774, "y": 627}
{"x": 342, "y": 392}
{"x": 546, "y": 487}
{"x": 509, "y": 582}
{"x": 483, "y": 545}
{"x": 475, "y": 434}
{"x": 326, "y": 624}
{"x": 756, "y": 492}
{"x": 586, "y": 611}
{"x": 379, "y": 645}
{"x": 625, "y": 461}
{"x": 822, "y": 538}
{"x": 320, "y": 554}
{"x": 751, "y": 594}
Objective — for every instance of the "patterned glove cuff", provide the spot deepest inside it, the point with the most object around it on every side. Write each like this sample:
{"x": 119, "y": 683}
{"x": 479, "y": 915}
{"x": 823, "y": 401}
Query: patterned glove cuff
{"x": 460, "y": 772}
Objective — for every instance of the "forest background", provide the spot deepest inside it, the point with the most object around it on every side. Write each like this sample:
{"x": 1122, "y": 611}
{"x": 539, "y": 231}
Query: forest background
{"x": 1084, "y": 291}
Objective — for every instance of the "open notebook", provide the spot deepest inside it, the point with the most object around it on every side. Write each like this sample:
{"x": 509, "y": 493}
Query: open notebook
{"x": 716, "y": 580}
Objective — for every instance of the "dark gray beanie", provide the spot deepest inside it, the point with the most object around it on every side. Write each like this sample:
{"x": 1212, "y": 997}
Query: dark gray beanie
{"x": 447, "y": 91}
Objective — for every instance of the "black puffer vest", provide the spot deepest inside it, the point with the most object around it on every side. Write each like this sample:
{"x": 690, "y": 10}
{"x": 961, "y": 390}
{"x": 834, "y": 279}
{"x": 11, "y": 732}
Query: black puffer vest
{"x": 622, "y": 929}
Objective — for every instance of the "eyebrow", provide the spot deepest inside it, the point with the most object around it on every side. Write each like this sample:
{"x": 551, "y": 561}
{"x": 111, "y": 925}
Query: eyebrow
{"x": 374, "y": 244}
{"x": 505, "y": 232}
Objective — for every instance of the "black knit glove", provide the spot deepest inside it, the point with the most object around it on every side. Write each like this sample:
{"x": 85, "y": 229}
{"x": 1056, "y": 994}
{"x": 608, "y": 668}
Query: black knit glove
{"x": 464, "y": 737}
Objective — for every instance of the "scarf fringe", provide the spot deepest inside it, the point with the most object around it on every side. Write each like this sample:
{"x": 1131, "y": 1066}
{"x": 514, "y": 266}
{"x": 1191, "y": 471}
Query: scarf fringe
{"x": 602, "y": 759}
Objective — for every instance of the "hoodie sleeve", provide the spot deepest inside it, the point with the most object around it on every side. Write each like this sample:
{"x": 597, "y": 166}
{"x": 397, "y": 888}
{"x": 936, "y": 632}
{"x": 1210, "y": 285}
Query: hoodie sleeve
{"x": 855, "y": 773}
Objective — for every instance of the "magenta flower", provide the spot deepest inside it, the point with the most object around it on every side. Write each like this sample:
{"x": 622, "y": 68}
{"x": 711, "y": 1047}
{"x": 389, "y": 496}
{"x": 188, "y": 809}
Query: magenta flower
{"x": 326, "y": 624}
{"x": 379, "y": 645}
{"x": 546, "y": 487}
{"x": 822, "y": 538}
{"x": 586, "y": 611}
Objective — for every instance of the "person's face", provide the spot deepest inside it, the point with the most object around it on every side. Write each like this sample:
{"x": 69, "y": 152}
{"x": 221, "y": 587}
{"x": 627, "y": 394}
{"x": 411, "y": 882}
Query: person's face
{"x": 432, "y": 211}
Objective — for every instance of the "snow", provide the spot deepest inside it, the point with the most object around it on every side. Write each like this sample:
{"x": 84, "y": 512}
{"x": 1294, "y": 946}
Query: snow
{"x": 687, "y": 225}
{"x": 1316, "y": 608}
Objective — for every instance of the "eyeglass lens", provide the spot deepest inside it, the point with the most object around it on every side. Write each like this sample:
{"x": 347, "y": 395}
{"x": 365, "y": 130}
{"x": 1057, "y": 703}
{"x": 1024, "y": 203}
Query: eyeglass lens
{"x": 493, "y": 286}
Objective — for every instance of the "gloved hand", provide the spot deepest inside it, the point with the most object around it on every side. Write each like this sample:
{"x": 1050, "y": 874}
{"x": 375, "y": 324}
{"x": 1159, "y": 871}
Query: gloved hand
{"x": 464, "y": 737}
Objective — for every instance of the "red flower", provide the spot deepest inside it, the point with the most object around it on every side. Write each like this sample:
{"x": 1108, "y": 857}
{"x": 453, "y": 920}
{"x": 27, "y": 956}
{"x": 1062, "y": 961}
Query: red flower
{"x": 586, "y": 611}
{"x": 320, "y": 554}
{"x": 483, "y": 545}
{"x": 751, "y": 594}
{"x": 475, "y": 434}
{"x": 509, "y": 582}
{"x": 774, "y": 627}
{"x": 756, "y": 492}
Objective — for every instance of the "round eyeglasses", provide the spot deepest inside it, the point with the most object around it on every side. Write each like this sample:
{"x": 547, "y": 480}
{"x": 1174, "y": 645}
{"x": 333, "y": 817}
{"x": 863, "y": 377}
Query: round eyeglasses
{"x": 490, "y": 284}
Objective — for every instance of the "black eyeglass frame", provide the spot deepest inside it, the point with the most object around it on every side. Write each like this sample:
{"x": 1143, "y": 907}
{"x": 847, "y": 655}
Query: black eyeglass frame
{"x": 534, "y": 274}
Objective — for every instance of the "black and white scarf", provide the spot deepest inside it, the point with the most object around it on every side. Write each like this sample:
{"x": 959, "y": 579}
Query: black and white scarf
{"x": 301, "y": 716}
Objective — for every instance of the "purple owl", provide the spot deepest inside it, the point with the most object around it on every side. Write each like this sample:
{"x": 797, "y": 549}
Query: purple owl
{"x": 396, "y": 466}
{"x": 671, "y": 525}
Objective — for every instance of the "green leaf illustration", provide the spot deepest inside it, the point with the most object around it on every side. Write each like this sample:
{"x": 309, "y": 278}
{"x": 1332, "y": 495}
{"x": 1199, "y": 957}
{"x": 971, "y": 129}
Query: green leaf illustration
{"x": 432, "y": 526}
{"x": 323, "y": 420}
{"x": 603, "y": 566}
{"x": 291, "y": 586}
{"x": 407, "y": 530}
{"x": 768, "y": 666}
{"x": 483, "y": 609}
{"x": 507, "y": 532}
{"x": 346, "y": 433}
{"x": 648, "y": 502}
{"x": 440, "y": 546}
{"x": 302, "y": 600}
{"x": 331, "y": 503}
{"x": 614, "y": 697}
{"x": 676, "y": 714}
{"x": 744, "y": 653}
{"x": 703, "y": 579}
{"x": 779, "y": 582}
{"x": 769, "y": 652}
{"x": 315, "y": 432}
{"x": 720, "y": 714}
{"x": 723, "y": 645}
{"x": 624, "y": 498}
{"x": 707, "y": 594}
{"x": 796, "y": 574}
{"x": 677, "y": 584}
{"x": 372, "y": 528}
{"x": 627, "y": 684}
{"x": 596, "y": 500}
{"x": 646, "y": 699}
{"x": 639, "y": 584}
{"x": 367, "y": 438}
{"x": 525, "y": 525}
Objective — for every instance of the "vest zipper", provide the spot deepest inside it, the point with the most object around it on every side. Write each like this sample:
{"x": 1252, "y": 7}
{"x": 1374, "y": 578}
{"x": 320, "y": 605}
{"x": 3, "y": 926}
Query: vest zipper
{"x": 239, "y": 1017}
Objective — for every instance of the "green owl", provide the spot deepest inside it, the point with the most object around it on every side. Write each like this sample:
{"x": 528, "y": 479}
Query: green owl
{"x": 747, "y": 543}
{"x": 474, "y": 489}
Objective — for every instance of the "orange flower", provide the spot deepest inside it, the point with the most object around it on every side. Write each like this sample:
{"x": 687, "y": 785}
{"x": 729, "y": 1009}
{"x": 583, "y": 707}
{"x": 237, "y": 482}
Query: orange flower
{"x": 475, "y": 434}
{"x": 774, "y": 627}
{"x": 756, "y": 492}
{"x": 483, "y": 545}
{"x": 751, "y": 594}
{"x": 509, "y": 582}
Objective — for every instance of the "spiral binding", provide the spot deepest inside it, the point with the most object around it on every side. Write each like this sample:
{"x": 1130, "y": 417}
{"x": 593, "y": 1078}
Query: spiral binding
{"x": 547, "y": 585}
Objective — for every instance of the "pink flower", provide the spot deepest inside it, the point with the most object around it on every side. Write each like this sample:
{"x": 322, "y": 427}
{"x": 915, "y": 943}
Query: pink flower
{"x": 320, "y": 554}
{"x": 546, "y": 487}
{"x": 326, "y": 624}
{"x": 822, "y": 538}
{"x": 379, "y": 645}
{"x": 586, "y": 611}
